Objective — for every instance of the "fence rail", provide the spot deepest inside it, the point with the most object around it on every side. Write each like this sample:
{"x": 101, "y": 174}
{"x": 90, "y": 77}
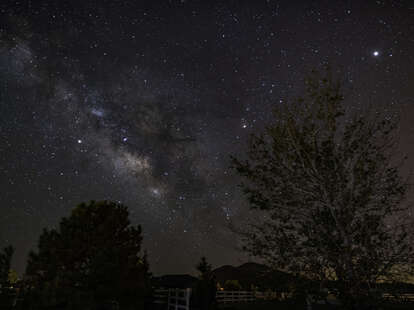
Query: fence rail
{"x": 179, "y": 299}
{"x": 235, "y": 296}
{"x": 161, "y": 296}
{"x": 270, "y": 295}
{"x": 403, "y": 297}
{"x": 174, "y": 299}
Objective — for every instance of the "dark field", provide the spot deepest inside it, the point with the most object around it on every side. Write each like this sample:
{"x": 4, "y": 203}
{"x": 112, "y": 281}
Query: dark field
{"x": 274, "y": 305}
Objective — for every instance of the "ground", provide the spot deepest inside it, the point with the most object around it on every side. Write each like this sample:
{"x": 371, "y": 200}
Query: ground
{"x": 272, "y": 305}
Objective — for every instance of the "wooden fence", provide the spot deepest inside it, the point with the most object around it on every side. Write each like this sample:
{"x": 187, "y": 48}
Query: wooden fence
{"x": 179, "y": 299}
{"x": 271, "y": 295}
{"x": 402, "y": 297}
{"x": 234, "y": 296}
{"x": 161, "y": 296}
{"x": 174, "y": 299}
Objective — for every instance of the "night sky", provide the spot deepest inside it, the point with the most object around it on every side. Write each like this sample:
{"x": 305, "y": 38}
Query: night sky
{"x": 142, "y": 102}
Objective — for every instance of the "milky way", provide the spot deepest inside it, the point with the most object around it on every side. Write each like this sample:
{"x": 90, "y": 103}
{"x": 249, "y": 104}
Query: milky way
{"x": 143, "y": 103}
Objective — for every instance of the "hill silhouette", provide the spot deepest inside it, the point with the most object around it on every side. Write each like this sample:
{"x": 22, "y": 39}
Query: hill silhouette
{"x": 249, "y": 275}
{"x": 253, "y": 274}
{"x": 174, "y": 281}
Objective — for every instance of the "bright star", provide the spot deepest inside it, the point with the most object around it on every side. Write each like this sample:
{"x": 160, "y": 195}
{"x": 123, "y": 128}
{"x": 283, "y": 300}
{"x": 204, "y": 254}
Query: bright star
{"x": 375, "y": 53}
{"x": 79, "y": 141}
{"x": 155, "y": 191}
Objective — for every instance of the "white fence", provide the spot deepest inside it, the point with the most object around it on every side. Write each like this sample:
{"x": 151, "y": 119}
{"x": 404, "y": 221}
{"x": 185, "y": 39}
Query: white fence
{"x": 235, "y": 296}
{"x": 161, "y": 296}
{"x": 403, "y": 297}
{"x": 271, "y": 295}
{"x": 179, "y": 299}
{"x": 175, "y": 299}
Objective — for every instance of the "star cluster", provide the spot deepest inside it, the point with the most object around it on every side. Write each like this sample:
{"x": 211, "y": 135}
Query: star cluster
{"x": 142, "y": 102}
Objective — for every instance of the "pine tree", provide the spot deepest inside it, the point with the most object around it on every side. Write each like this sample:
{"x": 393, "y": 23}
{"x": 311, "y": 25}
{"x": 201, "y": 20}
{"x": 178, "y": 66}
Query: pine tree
{"x": 205, "y": 291}
{"x": 92, "y": 258}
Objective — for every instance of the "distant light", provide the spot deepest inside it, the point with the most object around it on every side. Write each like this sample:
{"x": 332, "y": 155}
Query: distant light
{"x": 79, "y": 141}
{"x": 375, "y": 53}
{"x": 125, "y": 139}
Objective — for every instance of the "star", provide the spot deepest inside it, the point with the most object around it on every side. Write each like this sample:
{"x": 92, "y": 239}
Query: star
{"x": 153, "y": 125}
{"x": 156, "y": 192}
{"x": 97, "y": 112}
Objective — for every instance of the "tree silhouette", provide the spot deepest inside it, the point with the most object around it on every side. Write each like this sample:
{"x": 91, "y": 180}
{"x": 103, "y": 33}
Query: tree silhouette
{"x": 92, "y": 258}
{"x": 204, "y": 268}
{"x": 326, "y": 183}
{"x": 232, "y": 285}
{"x": 5, "y": 261}
{"x": 5, "y": 293}
{"x": 205, "y": 290}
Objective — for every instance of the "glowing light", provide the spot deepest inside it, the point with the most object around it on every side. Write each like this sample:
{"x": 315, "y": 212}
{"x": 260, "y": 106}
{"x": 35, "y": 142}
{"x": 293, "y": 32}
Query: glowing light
{"x": 375, "y": 53}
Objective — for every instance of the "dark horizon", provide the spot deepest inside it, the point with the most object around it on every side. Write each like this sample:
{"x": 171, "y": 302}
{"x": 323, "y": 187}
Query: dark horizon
{"x": 143, "y": 103}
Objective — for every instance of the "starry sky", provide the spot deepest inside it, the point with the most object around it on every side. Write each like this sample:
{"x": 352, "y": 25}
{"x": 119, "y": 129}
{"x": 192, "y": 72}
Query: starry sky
{"x": 142, "y": 102}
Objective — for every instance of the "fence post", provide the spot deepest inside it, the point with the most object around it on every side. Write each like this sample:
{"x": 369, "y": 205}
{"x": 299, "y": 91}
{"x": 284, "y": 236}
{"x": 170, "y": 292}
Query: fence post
{"x": 176, "y": 298}
{"x": 187, "y": 298}
{"x": 308, "y": 302}
{"x": 169, "y": 299}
